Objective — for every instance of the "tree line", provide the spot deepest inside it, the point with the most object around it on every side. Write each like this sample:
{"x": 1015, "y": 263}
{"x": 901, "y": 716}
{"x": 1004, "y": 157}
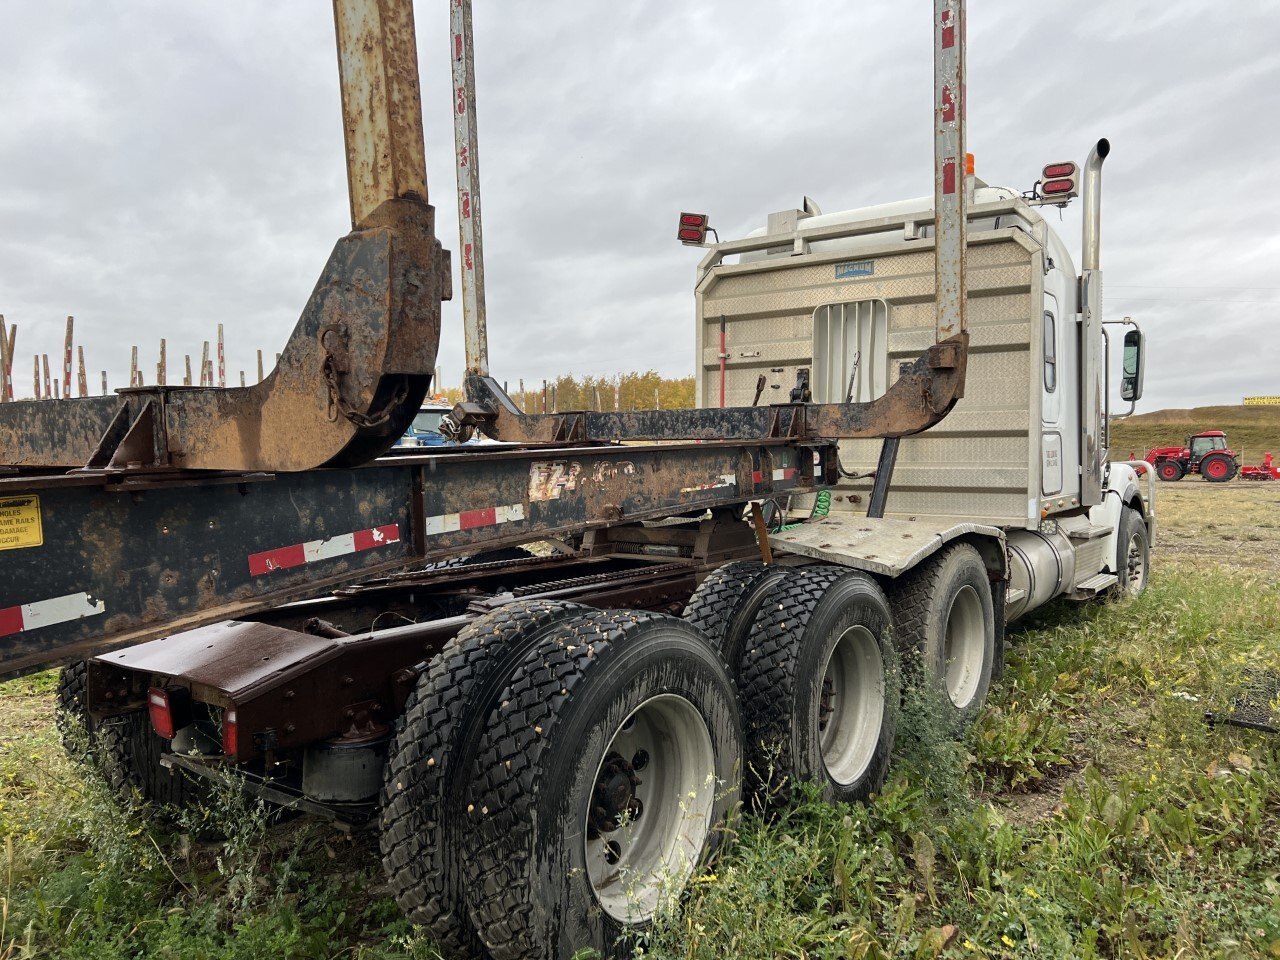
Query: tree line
{"x": 625, "y": 391}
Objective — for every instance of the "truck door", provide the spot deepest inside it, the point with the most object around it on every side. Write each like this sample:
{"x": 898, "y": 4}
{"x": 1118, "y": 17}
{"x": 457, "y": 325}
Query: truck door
{"x": 1051, "y": 406}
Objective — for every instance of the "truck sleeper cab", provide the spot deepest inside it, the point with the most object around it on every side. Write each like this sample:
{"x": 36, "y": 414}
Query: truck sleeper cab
{"x": 840, "y": 300}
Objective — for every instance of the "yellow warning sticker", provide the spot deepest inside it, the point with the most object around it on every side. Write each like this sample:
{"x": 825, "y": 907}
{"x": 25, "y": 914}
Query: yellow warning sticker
{"x": 20, "y": 523}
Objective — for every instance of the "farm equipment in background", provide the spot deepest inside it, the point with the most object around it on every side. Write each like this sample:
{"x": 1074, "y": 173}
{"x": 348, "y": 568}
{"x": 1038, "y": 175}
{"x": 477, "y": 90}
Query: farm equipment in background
{"x": 1205, "y": 453}
{"x": 1268, "y": 470}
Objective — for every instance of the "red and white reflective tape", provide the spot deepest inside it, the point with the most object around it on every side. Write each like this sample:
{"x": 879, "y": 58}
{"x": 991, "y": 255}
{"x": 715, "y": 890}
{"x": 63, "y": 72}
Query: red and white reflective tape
{"x": 45, "y": 613}
{"x": 786, "y": 473}
{"x": 470, "y": 519}
{"x": 295, "y": 555}
{"x": 722, "y": 481}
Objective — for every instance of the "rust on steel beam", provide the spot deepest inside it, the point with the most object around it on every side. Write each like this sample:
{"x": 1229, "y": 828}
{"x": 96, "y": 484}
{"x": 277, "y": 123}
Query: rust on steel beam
{"x": 362, "y": 355}
{"x": 5, "y": 366}
{"x": 381, "y": 103}
{"x": 922, "y": 396}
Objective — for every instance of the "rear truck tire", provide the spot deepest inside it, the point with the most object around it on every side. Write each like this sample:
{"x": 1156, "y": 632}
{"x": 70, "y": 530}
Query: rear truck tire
{"x": 820, "y": 687}
{"x": 945, "y": 625}
{"x": 1170, "y": 471}
{"x": 429, "y": 766}
{"x": 726, "y": 603}
{"x": 125, "y": 750}
{"x": 128, "y": 756}
{"x": 498, "y": 555}
{"x": 602, "y": 782}
{"x": 1218, "y": 468}
{"x": 1133, "y": 554}
{"x": 72, "y": 709}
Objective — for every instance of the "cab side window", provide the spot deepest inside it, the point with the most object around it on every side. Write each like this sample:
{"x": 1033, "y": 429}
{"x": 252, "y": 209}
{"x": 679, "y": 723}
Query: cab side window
{"x": 1050, "y": 353}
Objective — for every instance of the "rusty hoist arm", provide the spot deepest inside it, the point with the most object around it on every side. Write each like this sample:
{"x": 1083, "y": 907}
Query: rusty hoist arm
{"x": 924, "y": 392}
{"x": 362, "y": 355}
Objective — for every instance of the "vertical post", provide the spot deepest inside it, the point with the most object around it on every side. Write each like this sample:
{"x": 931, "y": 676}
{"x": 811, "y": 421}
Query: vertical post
{"x": 82, "y": 375}
{"x": 13, "y": 345}
{"x": 48, "y": 386}
{"x": 104, "y": 383}
{"x": 242, "y": 378}
{"x": 544, "y": 396}
{"x": 657, "y": 401}
{"x": 208, "y": 377}
{"x": 66, "y": 358}
{"x": 57, "y": 390}
{"x": 259, "y": 366}
{"x": 186, "y": 380}
{"x": 204, "y": 366}
{"x": 222, "y": 359}
{"x": 950, "y": 213}
{"x": 162, "y": 368}
{"x": 133, "y": 369}
{"x": 37, "y": 376}
{"x": 470, "y": 233}
{"x": 595, "y": 398}
{"x": 884, "y": 477}
{"x": 381, "y": 103}
{"x": 724, "y": 358}
{"x": 4, "y": 360}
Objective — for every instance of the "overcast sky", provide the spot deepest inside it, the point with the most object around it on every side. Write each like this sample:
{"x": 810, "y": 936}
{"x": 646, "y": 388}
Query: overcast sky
{"x": 167, "y": 166}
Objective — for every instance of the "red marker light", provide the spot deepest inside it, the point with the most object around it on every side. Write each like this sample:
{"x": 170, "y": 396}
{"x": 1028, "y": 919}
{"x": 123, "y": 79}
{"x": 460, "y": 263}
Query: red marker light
{"x": 230, "y": 732}
{"x": 161, "y": 712}
{"x": 693, "y": 228}
{"x": 1058, "y": 188}
{"x": 1055, "y": 171}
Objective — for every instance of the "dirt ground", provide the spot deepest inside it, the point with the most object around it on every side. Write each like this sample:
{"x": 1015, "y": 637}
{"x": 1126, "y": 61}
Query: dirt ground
{"x": 1234, "y": 524}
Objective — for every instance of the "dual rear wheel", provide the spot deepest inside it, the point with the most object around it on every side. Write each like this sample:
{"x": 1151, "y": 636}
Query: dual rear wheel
{"x": 560, "y": 773}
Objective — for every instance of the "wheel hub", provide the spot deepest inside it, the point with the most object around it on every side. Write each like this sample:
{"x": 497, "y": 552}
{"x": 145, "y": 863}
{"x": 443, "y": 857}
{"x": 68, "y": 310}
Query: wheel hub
{"x": 614, "y": 797}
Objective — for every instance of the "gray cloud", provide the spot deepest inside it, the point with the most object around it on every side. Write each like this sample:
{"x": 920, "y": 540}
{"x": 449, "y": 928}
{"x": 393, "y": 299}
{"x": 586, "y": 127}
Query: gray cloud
{"x": 167, "y": 167}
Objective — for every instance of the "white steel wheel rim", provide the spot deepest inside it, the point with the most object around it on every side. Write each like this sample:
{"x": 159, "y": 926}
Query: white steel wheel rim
{"x": 851, "y": 711}
{"x": 964, "y": 647}
{"x": 1135, "y": 564}
{"x": 645, "y": 862}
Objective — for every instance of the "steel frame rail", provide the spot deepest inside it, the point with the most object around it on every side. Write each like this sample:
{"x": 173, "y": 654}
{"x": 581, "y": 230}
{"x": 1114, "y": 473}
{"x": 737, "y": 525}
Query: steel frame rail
{"x": 125, "y": 557}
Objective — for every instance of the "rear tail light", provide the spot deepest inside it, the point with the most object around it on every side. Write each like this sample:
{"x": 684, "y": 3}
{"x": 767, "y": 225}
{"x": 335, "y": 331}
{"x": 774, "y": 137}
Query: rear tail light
{"x": 1059, "y": 181}
{"x": 230, "y": 732}
{"x": 160, "y": 707}
{"x": 1056, "y": 170}
{"x": 693, "y": 228}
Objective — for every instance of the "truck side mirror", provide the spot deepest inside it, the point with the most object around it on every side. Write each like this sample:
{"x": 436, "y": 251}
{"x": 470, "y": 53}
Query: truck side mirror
{"x": 1131, "y": 375}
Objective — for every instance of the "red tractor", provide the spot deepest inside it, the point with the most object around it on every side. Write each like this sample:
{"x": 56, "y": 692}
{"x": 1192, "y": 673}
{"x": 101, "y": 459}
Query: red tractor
{"x": 1205, "y": 453}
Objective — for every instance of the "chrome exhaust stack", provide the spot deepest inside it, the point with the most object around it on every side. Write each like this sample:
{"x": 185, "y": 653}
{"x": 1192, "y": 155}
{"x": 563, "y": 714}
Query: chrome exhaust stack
{"x": 1093, "y": 403}
{"x": 1090, "y": 244}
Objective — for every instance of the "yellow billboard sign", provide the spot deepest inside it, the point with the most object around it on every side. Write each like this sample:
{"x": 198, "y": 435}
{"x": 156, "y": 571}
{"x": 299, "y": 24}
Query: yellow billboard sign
{"x": 1262, "y": 401}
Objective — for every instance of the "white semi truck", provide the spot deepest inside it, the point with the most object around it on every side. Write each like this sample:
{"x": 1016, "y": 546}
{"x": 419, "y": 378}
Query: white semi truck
{"x": 1007, "y": 503}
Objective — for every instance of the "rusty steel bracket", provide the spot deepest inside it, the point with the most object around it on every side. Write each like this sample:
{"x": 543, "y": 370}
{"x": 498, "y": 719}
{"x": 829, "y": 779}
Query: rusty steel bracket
{"x": 924, "y": 393}
{"x": 350, "y": 379}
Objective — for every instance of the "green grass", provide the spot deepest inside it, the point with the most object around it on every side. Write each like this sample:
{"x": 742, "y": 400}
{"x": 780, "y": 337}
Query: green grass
{"x": 1090, "y": 812}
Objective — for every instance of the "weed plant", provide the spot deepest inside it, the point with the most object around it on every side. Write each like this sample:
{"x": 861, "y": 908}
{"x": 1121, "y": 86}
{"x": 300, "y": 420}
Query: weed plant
{"x": 1088, "y": 812}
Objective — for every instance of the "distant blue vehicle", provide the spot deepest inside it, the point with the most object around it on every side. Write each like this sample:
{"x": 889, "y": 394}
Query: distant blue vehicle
{"x": 425, "y": 429}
